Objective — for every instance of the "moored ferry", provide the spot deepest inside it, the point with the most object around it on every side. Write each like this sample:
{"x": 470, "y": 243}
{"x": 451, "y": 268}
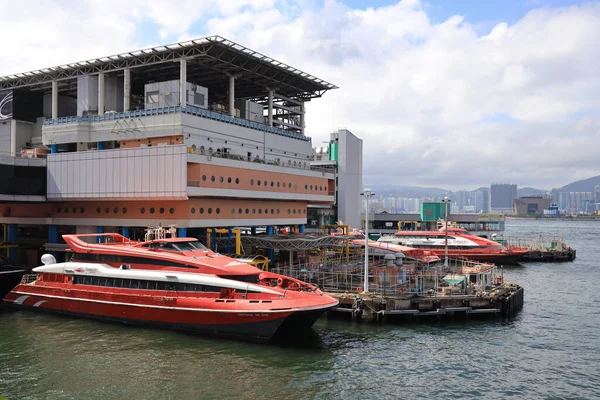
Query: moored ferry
{"x": 205, "y": 292}
{"x": 460, "y": 245}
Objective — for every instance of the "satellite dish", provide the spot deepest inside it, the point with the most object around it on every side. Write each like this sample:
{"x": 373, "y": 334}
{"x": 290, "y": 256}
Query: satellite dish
{"x": 325, "y": 149}
{"x": 318, "y": 150}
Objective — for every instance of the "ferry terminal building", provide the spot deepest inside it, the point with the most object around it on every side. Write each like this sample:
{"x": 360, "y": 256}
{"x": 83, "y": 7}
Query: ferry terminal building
{"x": 198, "y": 134}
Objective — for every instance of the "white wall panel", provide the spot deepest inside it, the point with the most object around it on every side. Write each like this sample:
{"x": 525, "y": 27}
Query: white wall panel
{"x": 160, "y": 173}
{"x": 157, "y": 172}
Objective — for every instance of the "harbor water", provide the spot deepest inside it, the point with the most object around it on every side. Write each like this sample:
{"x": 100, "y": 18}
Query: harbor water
{"x": 551, "y": 350}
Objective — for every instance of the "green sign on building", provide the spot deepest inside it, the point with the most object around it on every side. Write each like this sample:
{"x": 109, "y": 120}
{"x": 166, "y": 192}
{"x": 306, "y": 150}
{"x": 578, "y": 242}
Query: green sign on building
{"x": 431, "y": 212}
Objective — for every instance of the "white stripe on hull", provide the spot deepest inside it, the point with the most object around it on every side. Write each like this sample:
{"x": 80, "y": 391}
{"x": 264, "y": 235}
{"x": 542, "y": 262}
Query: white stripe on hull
{"x": 282, "y": 310}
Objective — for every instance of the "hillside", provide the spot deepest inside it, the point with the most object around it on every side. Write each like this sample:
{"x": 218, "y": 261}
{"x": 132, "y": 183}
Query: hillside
{"x": 527, "y": 191}
{"x": 584, "y": 185}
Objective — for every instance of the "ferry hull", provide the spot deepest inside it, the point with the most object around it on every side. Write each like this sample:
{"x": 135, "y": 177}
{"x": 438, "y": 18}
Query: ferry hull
{"x": 247, "y": 325}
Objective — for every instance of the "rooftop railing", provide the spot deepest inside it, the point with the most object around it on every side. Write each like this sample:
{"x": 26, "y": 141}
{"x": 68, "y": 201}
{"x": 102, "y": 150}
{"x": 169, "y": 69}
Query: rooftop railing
{"x": 191, "y": 110}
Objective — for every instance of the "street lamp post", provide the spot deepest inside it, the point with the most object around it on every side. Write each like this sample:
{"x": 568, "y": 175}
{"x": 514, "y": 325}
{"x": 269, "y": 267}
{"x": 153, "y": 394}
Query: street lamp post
{"x": 446, "y": 201}
{"x": 367, "y": 193}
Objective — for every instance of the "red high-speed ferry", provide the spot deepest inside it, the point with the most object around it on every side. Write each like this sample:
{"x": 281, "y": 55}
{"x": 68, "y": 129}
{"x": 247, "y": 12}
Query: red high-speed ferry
{"x": 174, "y": 283}
{"x": 460, "y": 245}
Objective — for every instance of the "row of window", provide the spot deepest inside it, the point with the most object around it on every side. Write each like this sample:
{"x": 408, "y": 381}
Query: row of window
{"x": 266, "y": 183}
{"x": 200, "y": 210}
{"x": 273, "y": 211}
{"x": 142, "y": 284}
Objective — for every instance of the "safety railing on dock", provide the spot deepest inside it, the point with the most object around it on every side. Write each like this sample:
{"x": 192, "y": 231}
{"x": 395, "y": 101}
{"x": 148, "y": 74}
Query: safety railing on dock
{"x": 459, "y": 278}
{"x": 540, "y": 243}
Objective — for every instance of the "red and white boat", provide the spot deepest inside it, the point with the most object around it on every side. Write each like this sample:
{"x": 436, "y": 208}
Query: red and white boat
{"x": 377, "y": 248}
{"x": 460, "y": 245}
{"x": 174, "y": 283}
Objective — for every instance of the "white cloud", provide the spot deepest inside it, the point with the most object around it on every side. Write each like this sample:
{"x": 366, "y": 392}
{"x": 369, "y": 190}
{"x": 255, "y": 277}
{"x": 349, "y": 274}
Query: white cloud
{"x": 437, "y": 103}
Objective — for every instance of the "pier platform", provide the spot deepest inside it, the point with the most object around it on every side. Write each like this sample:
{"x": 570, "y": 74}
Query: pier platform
{"x": 505, "y": 300}
{"x": 549, "y": 255}
{"x": 542, "y": 249}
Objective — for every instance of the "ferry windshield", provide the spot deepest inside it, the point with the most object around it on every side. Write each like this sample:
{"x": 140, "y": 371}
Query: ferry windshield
{"x": 191, "y": 245}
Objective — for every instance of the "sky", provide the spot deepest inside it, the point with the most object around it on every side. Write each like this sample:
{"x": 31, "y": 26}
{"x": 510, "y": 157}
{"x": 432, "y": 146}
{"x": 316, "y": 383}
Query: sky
{"x": 455, "y": 94}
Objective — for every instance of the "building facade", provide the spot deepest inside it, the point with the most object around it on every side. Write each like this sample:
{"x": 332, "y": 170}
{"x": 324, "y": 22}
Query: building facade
{"x": 531, "y": 205}
{"x": 502, "y": 196}
{"x": 200, "y": 134}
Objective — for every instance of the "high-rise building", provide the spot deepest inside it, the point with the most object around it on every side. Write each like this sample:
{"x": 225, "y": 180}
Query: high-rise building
{"x": 502, "y": 196}
{"x": 483, "y": 200}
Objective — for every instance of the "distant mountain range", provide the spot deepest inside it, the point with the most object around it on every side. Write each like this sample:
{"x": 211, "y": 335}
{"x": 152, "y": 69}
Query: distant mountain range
{"x": 584, "y": 185}
{"x": 382, "y": 190}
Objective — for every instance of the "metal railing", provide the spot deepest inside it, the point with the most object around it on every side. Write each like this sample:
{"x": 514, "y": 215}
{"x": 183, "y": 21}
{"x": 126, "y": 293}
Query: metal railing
{"x": 539, "y": 244}
{"x": 399, "y": 280}
{"x": 28, "y": 278}
{"x": 191, "y": 110}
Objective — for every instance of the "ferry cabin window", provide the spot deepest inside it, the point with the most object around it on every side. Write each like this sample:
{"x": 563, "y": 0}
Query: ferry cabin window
{"x": 142, "y": 284}
{"x": 177, "y": 246}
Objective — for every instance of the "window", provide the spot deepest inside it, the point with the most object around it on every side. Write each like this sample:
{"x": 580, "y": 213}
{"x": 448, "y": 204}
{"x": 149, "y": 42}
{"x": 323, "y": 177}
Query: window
{"x": 201, "y": 210}
{"x": 272, "y": 183}
{"x": 152, "y": 210}
{"x": 258, "y": 182}
{"x": 143, "y": 210}
{"x": 152, "y": 97}
{"x": 162, "y": 210}
{"x": 218, "y": 211}
{"x": 59, "y": 209}
{"x": 272, "y": 211}
{"x": 116, "y": 210}
{"x": 278, "y": 211}
{"x": 252, "y": 181}
{"x": 169, "y": 99}
{"x": 254, "y": 211}
{"x": 260, "y": 210}
{"x": 81, "y": 210}
{"x": 277, "y": 184}
{"x": 229, "y": 180}
{"x": 67, "y": 210}
{"x": 106, "y": 210}
{"x": 237, "y": 180}
{"x": 124, "y": 210}
{"x": 171, "y": 210}
{"x": 204, "y": 178}
{"x": 311, "y": 187}
{"x": 295, "y": 213}
{"x": 233, "y": 210}
{"x": 290, "y": 185}
{"x": 266, "y": 210}
{"x": 199, "y": 99}
{"x": 239, "y": 210}
{"x": 193, "y": 210}
{"x": 210, "y": 210}
{"x": 212, "y": 178}
{"x": 74, "y": 210}
{"x": 221, "y": 179}
{"x": 305, "y": 187}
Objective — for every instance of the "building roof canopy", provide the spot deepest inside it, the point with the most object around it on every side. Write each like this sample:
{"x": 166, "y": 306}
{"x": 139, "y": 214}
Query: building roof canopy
{"x": 210, "y": 62}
